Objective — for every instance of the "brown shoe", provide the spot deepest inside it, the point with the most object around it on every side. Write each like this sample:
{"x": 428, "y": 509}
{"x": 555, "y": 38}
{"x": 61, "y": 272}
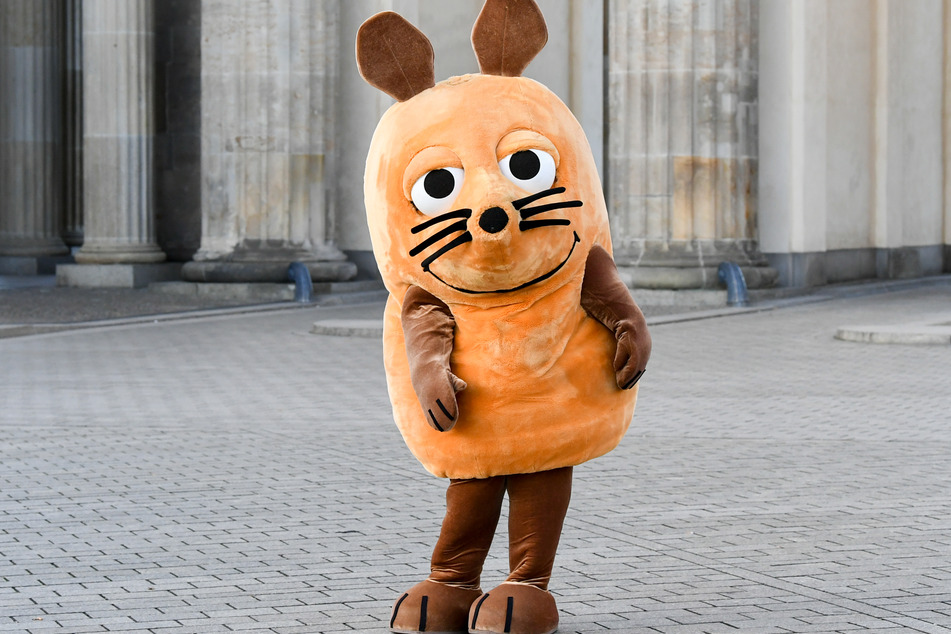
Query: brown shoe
{"x": 434, "y": 608}
{"x": 514, "y": 608}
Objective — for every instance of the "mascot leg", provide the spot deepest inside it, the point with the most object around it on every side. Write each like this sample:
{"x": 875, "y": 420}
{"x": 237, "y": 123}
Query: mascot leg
{"x": 522, "y": 604}
{"x": 442, "y": 602}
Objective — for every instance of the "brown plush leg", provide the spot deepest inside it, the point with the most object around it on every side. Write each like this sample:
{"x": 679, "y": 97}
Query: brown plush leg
{"x": 472, "y": 513}
{"x": 523, "y": 605}
{"x": 441, "y": 603}
{"x": 539, "y": 503}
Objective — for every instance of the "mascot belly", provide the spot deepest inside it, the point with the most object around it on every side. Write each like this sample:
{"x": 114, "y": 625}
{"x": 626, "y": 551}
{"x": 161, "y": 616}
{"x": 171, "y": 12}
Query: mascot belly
{"x": 541, "y": 393}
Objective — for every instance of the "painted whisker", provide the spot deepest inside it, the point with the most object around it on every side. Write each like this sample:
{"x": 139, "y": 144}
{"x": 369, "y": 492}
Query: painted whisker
{"x": 525, "y": 225}
{"x": 534, "y": 211}
{"x": 528, "y": 200}
{"x": 459, "y": 241}
{"x": 436, "y": 237}
{"x": 435, "y": 220}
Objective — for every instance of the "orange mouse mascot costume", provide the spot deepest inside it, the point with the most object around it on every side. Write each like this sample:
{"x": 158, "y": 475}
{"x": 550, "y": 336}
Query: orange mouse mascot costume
{"x": 511, "y": 346}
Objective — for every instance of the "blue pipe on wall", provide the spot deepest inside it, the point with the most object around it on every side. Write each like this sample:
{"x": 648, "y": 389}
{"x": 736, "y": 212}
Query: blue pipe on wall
{"x": 731, "y": 275}
{"x": 298, "y": 273}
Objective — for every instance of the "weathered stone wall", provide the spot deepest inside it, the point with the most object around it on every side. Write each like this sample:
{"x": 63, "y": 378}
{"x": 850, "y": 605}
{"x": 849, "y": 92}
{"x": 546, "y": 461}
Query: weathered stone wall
{"x": 817, "y": 132}
{"x": 682, "y": 140}
{"x": 268, "y": 161}
{"x": 851, "y": 148}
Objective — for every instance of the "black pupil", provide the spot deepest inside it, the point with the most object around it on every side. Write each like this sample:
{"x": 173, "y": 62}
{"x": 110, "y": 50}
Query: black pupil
{"x": 524, "y": 165}
{"x": 439, "y": 183}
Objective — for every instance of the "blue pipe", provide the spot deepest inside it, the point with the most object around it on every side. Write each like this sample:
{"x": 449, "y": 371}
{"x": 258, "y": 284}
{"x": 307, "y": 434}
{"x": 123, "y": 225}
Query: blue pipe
{"x": 298, "y": 273}
{"x": 731, "y": 275}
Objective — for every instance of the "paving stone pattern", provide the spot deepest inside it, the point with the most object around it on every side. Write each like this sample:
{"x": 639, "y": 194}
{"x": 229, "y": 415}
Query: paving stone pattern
{"x": 239, "y": 474}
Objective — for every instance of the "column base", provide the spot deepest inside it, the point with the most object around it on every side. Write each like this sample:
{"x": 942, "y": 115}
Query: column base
{"x": 119, "y": 254}
{"x": 32, "y": 265}
{"x": 695, "y": 277}
{"x": 258, "y": 272}
{"x": 136, "y": 275}
{"x": 692, "y": 264}
{"x": 33, "y": 247}
{"x": 257, "y": 261}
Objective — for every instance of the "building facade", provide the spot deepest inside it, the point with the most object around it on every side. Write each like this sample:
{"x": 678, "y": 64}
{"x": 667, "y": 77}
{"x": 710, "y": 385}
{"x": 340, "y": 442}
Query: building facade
{"x": 218, "y": 141}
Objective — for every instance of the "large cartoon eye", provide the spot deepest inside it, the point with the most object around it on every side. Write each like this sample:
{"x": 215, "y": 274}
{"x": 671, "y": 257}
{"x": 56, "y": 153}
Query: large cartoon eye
{"x": 436, "y": 190}
{"x": 532, "y": 170}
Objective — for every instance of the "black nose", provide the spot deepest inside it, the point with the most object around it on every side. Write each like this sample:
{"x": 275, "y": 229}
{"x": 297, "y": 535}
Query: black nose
{"x": 493, "y": 219}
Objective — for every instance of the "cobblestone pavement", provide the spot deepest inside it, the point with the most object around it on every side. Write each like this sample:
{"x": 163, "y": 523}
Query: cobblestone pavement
{"x": 54, "y": 304}
{"x": 236, "y": 473}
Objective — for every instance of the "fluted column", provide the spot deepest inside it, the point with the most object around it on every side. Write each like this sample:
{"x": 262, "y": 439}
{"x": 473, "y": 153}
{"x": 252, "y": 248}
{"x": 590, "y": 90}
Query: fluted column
{"x": 268, "y": 77}
{"x": 31, "y": 146}
{"x": 682, "y": 145}
{"x": 117, "y": 144}
{"x": 73, "y": 124}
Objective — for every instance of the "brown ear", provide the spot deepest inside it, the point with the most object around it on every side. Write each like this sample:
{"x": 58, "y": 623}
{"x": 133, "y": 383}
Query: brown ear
{"x": 507, "y": 35}
{"x": 395, "y": 56}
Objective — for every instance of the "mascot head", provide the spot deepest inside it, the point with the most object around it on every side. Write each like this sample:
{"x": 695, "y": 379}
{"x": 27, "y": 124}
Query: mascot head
{"x": 480, "y": 189}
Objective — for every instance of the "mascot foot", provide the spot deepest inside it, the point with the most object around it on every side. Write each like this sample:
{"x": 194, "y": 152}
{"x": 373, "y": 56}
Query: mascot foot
{"x": 514, "y": 608}
{"x": 434, "y": 608}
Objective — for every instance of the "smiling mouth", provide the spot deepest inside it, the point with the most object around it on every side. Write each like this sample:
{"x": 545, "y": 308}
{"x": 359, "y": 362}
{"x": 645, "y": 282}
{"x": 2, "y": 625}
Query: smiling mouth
{"x": 540, "y": 278}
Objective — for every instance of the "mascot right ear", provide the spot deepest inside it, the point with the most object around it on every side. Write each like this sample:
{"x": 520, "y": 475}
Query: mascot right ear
{"x": 507, "y": 35}
{"x": 395, "y": 56}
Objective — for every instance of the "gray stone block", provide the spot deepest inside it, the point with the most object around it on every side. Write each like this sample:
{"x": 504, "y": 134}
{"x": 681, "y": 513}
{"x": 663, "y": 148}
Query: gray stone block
{"x": 32, "y": 265}
{"x": 116, "y": 275}
{"x": 229, "y": 271}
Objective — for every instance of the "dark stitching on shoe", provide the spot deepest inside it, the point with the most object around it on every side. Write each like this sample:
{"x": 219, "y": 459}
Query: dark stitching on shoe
{"x": 508, "y": 614}
{"x": 422, "y": 613}
{"x": 475, "y": 614}
{"x": 396, "y": 608}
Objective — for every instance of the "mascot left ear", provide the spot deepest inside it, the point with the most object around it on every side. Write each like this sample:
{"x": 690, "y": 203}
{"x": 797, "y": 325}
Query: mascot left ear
{"x": 395, "y": 56}
{"x": 507, "y": 35}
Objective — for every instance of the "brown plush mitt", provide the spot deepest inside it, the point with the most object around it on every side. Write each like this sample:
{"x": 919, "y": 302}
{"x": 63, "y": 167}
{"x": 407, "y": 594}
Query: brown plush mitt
{"x": 605, "y": 297}
{"x": 428, "y": 327}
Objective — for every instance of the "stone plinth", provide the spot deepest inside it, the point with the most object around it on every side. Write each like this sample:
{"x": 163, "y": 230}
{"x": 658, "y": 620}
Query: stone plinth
{"x": 116, "y": 275}
{"x": 682, "y": 146}
{"x": 268, "y": 76}
{"x": 117, "y": 143}
{"x": 260, "y": 271}
{"x": 32, "y": 265}
{"x": 31, "y": 112}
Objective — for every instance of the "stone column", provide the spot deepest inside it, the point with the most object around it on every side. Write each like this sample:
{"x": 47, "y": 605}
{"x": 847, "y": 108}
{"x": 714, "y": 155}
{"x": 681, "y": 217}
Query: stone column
{"x": 269, "y": 73}
{"x": 946, "y": 135}
{"x": 682, "y": 143}
{"x": 73, "y": 123}
{"x": 119, "y": 247}
{"x": 117, "y": 144}
{"x": 31, "y": 146}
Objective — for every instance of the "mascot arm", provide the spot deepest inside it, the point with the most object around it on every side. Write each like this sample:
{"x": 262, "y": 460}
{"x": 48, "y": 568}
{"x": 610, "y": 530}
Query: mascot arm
{"x": 428, "y": 327}
{"x": 606, "y": 298}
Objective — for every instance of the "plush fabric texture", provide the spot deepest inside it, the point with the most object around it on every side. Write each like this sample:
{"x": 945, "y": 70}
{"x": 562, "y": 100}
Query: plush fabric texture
{"x": 538, "y": 503}
{"x": 428, "y": 333}
{"x": 542, "y": 389}
{"x": 432, "y": 607}
{"x": 507, "y": 35}
{"x": 605, "y": 297}
{"x": 514, "y": 608}
{"x": 395, "y": 56}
